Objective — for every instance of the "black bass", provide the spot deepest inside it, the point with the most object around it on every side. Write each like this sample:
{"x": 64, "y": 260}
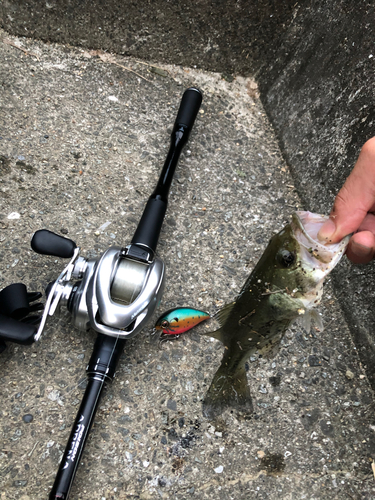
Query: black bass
{"x": 286, "y": 284}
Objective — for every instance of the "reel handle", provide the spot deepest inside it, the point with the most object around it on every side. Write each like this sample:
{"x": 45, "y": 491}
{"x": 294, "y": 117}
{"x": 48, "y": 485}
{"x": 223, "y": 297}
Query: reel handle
{"x": 48, "y": 243}
{"x": 18, "y": 323}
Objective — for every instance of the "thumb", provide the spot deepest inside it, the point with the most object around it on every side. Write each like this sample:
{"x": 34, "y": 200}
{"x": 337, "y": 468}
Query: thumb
{"x": 355, "y": 199}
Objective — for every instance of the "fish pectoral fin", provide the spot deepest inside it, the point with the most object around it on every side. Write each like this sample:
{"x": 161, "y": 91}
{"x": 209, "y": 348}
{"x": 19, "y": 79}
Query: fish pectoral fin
{"x": 228, "y": 390}
{"x": 224, "y": 313}
{"x": 216, "y": 334}
{"x": 316, "y": 317}
{"x": 309, "y": 316}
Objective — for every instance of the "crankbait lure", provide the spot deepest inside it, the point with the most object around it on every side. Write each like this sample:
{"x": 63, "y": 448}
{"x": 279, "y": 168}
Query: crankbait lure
{"x": 180, "y": 320}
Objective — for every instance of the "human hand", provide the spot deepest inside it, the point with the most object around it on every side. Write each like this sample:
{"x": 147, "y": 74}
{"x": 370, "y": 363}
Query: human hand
{"x": 354, "y": 209}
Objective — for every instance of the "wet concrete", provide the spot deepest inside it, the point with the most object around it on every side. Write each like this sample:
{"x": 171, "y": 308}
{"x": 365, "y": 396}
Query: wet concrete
{"x": 83, "y": 139}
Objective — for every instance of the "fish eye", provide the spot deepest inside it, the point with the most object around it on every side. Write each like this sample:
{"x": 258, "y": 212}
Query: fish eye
{"x": 164, "y": 323}
{"x": 286, "y": 258}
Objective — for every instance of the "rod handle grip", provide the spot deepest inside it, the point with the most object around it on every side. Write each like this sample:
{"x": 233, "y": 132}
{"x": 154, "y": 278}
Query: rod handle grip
{"x": 189, "y": 107}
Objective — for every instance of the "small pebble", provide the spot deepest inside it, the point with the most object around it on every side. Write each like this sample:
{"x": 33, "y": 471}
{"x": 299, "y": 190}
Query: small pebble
{"x": 172, "y": 405}
{"x": 349, "y": 375}
{"x": 28, "y": 418}
{"x": 314, "y": 361}
{"x": 14, "y": 215}
{"x": 219, "y": 469}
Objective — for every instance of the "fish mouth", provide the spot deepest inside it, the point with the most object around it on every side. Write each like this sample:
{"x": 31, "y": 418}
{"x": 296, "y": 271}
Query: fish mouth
{"x": 319, "y": 257}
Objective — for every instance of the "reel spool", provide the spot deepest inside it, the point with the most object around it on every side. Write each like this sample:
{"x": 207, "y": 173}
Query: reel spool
{"x": 128, "y": 281}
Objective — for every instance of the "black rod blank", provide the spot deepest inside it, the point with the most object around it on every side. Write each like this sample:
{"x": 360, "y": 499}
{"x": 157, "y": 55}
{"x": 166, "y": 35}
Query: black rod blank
{"x": 101, "y": 369}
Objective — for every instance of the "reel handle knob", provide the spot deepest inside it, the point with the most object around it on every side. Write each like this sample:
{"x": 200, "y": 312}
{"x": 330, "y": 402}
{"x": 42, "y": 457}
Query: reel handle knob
{"x": 48, "y": 243}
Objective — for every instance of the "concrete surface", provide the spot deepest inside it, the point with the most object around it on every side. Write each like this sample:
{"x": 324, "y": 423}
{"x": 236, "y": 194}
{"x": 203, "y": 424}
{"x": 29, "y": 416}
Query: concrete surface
{"x": 82, "y": 143}
{"x": 313, "y": 61}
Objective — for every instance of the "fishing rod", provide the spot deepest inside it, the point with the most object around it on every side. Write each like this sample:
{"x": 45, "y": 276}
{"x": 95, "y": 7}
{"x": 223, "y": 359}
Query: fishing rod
{"x": 115, "y": 294}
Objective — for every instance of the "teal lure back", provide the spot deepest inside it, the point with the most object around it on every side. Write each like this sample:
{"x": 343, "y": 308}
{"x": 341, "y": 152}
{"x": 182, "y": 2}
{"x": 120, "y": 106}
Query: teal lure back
{"x": 180, "y": 320}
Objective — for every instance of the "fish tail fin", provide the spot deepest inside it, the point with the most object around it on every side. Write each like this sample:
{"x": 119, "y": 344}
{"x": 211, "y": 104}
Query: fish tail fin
{"x": 229, "y": 388}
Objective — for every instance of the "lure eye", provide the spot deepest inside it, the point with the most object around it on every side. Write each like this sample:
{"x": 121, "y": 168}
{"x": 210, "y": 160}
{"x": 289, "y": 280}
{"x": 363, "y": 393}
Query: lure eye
{"x": 286, "y": 258}
{"x": 164, "y": 323}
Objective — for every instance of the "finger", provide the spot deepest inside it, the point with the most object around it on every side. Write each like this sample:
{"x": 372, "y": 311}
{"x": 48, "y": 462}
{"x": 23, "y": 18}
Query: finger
{"x": 33, "y": 296}
{"x": 368, "y": 224}
{"x": 355, "y": 199}
{"x": 32, "y": 320}
{"x": 36, "y": 307}
{"x": 361, "y": 248}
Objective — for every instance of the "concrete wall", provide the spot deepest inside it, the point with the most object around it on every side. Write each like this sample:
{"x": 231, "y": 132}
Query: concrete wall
{"x": 314, "y": 61}
{"x": 319, "y": 93}
{"x": 218, "y": 35}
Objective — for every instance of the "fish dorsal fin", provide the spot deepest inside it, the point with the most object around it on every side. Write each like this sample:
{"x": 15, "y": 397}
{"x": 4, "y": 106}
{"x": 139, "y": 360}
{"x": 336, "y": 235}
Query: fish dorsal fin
{"x": 224, "y": 313}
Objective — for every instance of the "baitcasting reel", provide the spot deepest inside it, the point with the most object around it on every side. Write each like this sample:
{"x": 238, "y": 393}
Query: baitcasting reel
{"x": 115, "y": 294}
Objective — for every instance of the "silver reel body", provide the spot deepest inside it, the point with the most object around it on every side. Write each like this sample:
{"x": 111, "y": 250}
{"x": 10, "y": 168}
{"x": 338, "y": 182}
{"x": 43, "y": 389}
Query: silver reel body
{"x": 115, "y": 294}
